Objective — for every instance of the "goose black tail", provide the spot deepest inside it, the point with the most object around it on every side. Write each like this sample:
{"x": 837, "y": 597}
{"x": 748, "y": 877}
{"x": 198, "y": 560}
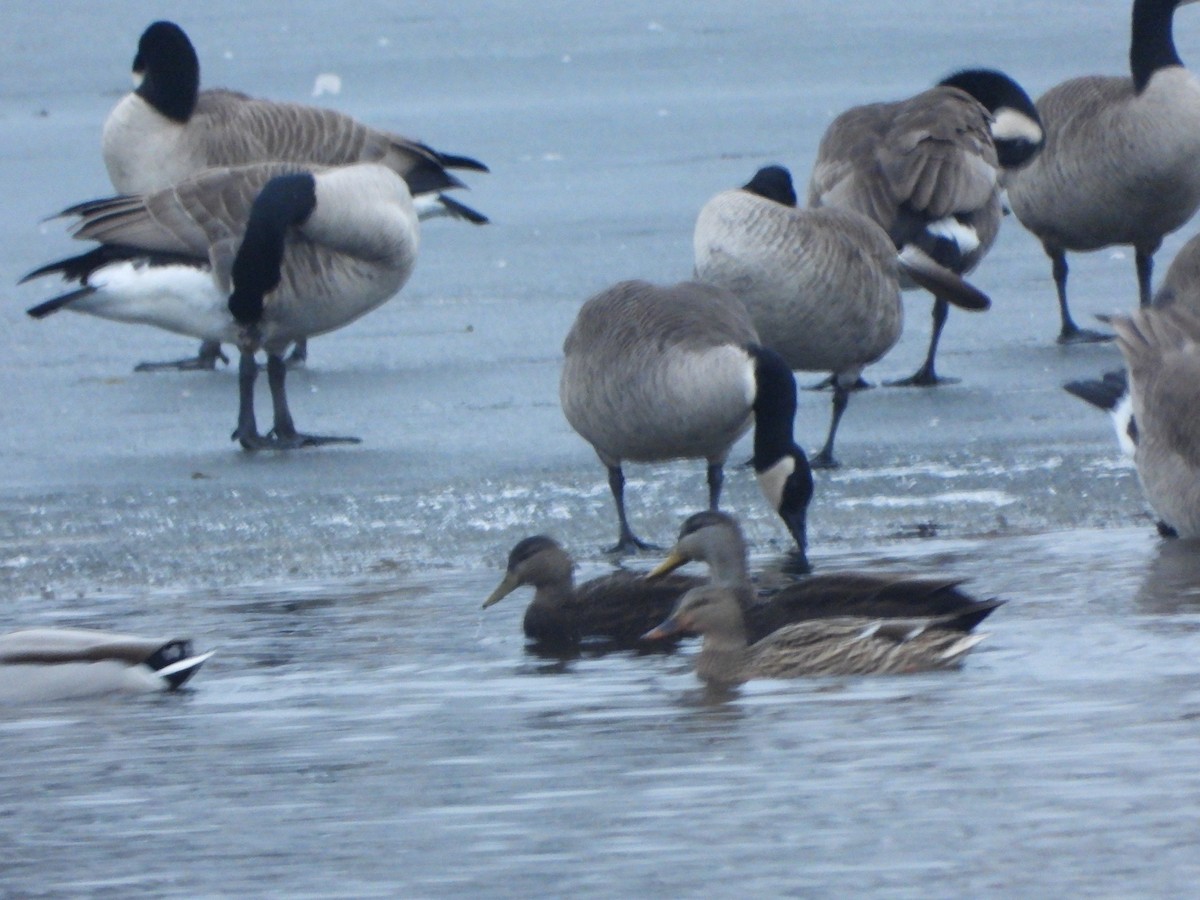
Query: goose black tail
{"x": 1105, "y": 392}
{"x": 55, "y": 304}
{"x": 458, "y": 210}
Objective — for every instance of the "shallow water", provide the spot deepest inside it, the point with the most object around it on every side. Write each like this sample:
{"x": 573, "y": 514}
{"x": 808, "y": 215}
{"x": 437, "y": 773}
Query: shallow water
{"x": 365, "y": 729}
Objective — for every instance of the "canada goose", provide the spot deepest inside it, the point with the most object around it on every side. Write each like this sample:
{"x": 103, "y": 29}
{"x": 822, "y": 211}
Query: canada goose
{"x": 1181, "y": 284}
{"x": 715, "y": 538}
{"x": 930, "y": 171}
{"x": 259, "y": 256}
{"x": 44, "y": 664}
{"x": 824, "y": 284}
{"x": 621, "y": 607}
{"x": 1119, "y": 164}
{"x": 653, "y": 373}
{"x": 841, "y": 646}
{"x": 168, "y": 130}
{"x": 1161, "y": 347}
{"x": 1110, "y": 393}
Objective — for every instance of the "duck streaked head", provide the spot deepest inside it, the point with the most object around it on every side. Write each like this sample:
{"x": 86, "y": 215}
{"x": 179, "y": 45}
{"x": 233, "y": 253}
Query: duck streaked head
{"x": 534, "y": 561}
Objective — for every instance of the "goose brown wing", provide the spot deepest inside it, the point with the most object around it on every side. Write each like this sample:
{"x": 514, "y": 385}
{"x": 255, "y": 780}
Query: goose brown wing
{"x": 235, "y": 130}
{"x": 937, "y": 157}
{"x": 188, "y": 218}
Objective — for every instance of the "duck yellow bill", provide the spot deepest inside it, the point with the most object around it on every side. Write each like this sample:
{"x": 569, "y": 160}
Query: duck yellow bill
{"x": 668, "y": 565}
{"x": 506, "y": 587}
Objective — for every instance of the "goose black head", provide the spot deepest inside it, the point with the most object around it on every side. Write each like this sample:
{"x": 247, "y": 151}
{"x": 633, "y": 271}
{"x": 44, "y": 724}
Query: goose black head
{"x": 773, "y": 183}
{"x": 284, "y": 201}
{"x": 1016, "y": 126}
{"x": 168, "y": 70}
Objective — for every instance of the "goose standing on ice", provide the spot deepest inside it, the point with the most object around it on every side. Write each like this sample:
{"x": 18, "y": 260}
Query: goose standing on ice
{"x": 1121, "y": 164}
{"x": 167, "y": 130}
{"x": 930, "y": 171}
{"x": 653, "y": 373}
{"x": 258, "y": 256}
{"x": 40, "y": 665}
{"x": 822, "y": 284}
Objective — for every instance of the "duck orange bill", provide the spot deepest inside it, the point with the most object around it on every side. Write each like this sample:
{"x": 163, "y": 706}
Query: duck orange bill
{"x": 669, "y": 628}
{"x": 944, "y": 284}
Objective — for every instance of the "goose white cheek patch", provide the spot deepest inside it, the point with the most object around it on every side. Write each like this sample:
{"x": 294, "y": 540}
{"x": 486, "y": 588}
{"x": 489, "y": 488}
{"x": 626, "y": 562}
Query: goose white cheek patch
{"x": 773, "y": 479}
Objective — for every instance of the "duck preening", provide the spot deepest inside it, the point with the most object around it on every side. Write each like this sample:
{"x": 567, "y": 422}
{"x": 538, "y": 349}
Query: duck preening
{"x": 619, "y": 607}
{"x": 44, "y": 664}
{"x": 654, "y": 373}
{"x": 1119, "y": 164}
{"x": 838, "y": 646}
{"x": 930, "y": 171}
{"x": 259, "y": 256}
{"x": 168, "y": 130}
{"x": 716, "y": 539}
{"x": 821, "y": 285}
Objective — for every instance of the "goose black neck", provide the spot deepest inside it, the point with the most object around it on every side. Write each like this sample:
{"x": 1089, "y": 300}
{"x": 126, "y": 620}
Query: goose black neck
{"x": 774, "y": 415}
{"x": 773, "y": 183}
{"x": 170, "y": 71}
{"x": 286, "y": 200}
{"x": 774, "y": 407}
{"x": 1152, "y": 46}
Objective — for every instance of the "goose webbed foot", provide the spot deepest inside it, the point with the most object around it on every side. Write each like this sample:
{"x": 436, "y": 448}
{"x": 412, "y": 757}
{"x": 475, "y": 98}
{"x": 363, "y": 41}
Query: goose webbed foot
{"x": 273, "y": 440}
{"x": 824, "y": 460}
{"x": 1076, "y": 335}
{"x": 284, "y": 435}
{"x": 629, "y": 543}
{"x": 205, "y": 360}
{"x": 923, "y": 377}
{"x": 826, "y": 383}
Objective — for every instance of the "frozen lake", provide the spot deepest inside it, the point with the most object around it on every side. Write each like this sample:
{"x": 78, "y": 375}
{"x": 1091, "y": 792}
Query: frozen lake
{"x": 365, "y": 730}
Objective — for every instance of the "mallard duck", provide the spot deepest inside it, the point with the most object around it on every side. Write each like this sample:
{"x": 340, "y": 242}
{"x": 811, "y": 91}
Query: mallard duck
{"x": 1161, "y": 347}
{"x": 823, "y": 285}
{"x": 260, "y": 256}
{"x": 930, "y": 171}
{"x": 167, "y": 130}
{"x": 716, "y": 539}
{"x": 43, "y": 664}
{"x": 620, "y": 607}
{"x": 1119, "y": 164}
{"x": 653, "y": 373}
{"x": 841, "y": 646}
